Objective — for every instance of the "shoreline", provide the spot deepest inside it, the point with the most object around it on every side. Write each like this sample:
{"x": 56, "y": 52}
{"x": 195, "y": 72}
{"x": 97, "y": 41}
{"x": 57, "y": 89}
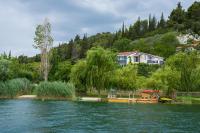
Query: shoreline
{"x": 89, "y": 99}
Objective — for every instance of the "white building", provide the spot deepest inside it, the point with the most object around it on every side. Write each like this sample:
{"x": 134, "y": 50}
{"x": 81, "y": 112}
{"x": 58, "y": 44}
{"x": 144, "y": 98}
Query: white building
{"x": 183, "y": 38}
{"x": 125, "y": 58}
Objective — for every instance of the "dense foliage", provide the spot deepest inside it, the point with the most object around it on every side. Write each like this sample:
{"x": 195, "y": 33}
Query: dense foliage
{"x": 90, "y": 62}
{"x": 15, "y": 87}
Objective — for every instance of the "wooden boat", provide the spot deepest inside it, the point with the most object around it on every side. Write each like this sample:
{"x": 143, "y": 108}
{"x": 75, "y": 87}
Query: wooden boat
{"x": 148, "y": 96}
{"x": 122, "y": 100}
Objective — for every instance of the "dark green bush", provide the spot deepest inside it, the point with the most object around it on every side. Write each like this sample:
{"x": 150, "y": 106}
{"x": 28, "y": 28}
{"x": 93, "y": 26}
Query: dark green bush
{"x": 55, "y": 89}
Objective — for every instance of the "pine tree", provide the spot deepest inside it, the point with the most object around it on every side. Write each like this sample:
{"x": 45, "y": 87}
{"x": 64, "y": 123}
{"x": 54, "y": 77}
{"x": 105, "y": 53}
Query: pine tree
{"x": 77, "y": 38}
{"x": 137, "y": 27}
{"x": 5, "y": 55}
{"x": 69, "y": 49}
{"x": 9, "y": 56}
{"x": 84, "y": 46}
{"x": 193, "y": 18}
{"x": 162, "y": 22}
{"x": 177, "y": 17}
{"x": 143, "y": 27}
{"x": 152, "y": 23}
{"x": 123, "y": 30}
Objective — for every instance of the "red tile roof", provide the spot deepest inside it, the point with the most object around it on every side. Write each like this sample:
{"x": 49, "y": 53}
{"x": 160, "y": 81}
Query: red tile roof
{"x": 128, "y": 53}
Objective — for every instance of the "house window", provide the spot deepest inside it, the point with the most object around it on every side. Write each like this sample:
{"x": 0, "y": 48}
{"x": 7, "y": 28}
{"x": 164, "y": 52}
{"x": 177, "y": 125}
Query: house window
{"x": 122, "y": 58}
{"x": 136, "y": 59}
{"x": 149, "y": 57}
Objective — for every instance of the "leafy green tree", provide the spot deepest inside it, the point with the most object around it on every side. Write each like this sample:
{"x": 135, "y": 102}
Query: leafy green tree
{"x": 125, "y": 78}
{"x": 4, "y": 69}
{"x": 100, "y": 64}
{"x": 78, "y": 76}
{"x": 63, "y": 71}
{"x": 122, "y": 44}
{"x": 141, "y": 46}
{"x": 19, "y": 70}
{"x": 145, "y": 69}
{"x": 165, "y": 79}
{"x": 166, "y": 46}
{"x": 23, "y": 59}
{"x": 186, "y": 64}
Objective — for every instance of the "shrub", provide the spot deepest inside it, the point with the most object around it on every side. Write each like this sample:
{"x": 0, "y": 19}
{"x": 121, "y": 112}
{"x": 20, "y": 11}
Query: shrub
{"x": 14, "y": 87}
{"x": 3, "y": 88}
{"x": 55, "y": 89}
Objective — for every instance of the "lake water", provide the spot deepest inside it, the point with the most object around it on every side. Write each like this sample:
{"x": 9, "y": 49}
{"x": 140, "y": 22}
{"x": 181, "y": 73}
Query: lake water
{"x": 27, "y": 116}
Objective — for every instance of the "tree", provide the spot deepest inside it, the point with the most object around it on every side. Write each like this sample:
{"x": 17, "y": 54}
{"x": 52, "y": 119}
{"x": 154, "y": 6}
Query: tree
{"x": 4, "y": 69}
{"x": 63, "y": 71}
{"x": 193, "y": 11}
{"x": 125, "y": 78}
{"x": 165, "y": 79}
{"x": 152, "y": 23}
{"x": 44, "y": 41}
{"x": 78, "y": 76}
{"x": 146, "y": 70}
{"x": 137, "y": 27}
{"x": 69, "y": 49}
{"x": 177, "y": 18}
{"x": 143, "y": 27}
{"x": 186, "y": 64}
{"x": 141, "y": 45}
{"x": 166, "y": 46}
{"x": 123, "y": 30}
{"x": 9, "y": 55}
{"x": 84, "y": 46}
{"x": 162, "y": 23}
{"x": 23, "y": 59}
{"x": 193, "y": 17}
{"x": 55, "y": 59}
{"x": 100, "y": 64}
{"x": 77, "y": 38}
{"x": 122, "y": 44}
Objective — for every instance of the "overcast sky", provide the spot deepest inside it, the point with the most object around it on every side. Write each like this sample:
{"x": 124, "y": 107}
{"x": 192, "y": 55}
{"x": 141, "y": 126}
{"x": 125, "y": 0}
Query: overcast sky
{"x": 19, "y": 18}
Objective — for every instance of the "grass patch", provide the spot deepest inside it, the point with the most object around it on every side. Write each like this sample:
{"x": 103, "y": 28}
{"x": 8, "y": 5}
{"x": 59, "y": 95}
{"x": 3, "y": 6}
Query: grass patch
{"x": 189, "y": 99}
{"x": 55, "y": 89}
{"x": 15, "y": 87}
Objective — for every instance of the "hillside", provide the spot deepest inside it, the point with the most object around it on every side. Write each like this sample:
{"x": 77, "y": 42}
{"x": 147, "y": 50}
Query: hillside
{"x": 90, "y": 63}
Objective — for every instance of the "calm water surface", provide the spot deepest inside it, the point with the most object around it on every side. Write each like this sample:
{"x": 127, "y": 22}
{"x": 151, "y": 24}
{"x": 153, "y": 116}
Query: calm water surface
{"x": 27, "y": 116}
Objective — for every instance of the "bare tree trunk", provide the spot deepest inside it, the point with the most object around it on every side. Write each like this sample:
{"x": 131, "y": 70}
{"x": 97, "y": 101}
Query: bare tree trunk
{"x": 46, "y": 66}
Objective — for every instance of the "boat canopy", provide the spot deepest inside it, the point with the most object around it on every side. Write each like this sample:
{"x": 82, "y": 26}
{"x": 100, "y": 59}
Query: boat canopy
{"x": 150, "y": 91}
